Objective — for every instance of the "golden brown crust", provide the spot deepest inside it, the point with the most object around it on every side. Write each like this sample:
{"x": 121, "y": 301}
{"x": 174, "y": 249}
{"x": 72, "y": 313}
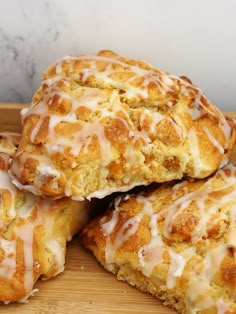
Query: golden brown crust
{"x": 176, "y": 242}
{"x": 33, "y": 234}
{"x": 105, "y": 123}
{"x": 9, "y": 142}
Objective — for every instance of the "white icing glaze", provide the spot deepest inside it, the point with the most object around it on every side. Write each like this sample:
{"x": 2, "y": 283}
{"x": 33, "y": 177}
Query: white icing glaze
{"x": 222, "y": 306}
{"x": 177, "y": 264}
{"x": 108, "y": 103}
{"x": 195, "y": 152}
{"x": 150, "y": 255}
{"x": 195, "y": 112}
{"x": 108, "y": 227}
{"x": 29, "y": 203}
{"x": 26, "y": 234}
{"x": 161, "y": 80}
{"x": 200, "y": 284}
{"x": 24, "y": 231}
{"x": 24, "y": 111}
{"x": 8, "y": 264}
{"x": 48, "y": 171}
{"x": 213, "y": 140}
{"x": 24, "y": 212}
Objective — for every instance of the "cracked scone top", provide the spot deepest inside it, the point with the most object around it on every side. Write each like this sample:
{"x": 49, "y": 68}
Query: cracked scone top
{"x": 104, "y": 123}
{"x": 33, "y": 232}
{"x": 177, "y": 242}
{"x": 9, "y": 142}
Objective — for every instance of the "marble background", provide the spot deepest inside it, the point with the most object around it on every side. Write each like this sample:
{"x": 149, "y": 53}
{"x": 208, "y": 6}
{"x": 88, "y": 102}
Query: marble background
{"x": 192, "y": 38}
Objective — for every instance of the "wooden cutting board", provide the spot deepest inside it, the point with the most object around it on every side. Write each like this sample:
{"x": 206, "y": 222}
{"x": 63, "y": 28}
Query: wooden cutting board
{"x": 84, "y": 287}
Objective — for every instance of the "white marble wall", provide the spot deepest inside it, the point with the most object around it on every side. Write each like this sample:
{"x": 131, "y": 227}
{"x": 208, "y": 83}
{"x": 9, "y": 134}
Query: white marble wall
{"x": 194, "y": 38}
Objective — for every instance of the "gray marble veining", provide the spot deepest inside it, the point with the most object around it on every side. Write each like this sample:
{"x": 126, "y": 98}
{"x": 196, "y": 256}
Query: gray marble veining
{"x": 25, "y": 48}
{"x": 192, "y": 38}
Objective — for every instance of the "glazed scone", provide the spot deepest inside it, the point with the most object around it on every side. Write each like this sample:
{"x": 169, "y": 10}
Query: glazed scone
{"x": 9, "y": 142}
{"x": 33, "y": 235}
{"x": 176, "y": 242}
{"x": 104, "y": 123}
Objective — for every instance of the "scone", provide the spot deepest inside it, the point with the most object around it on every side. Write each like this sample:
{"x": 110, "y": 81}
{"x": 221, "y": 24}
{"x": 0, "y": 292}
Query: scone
{"x": 9, "y": 142}
{"x": 33, "y": 234}
{"x": 176, "y": 242}
{"x": 104, "y": 123}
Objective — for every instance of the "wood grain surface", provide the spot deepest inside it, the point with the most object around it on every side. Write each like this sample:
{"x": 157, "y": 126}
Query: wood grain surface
{"x": 84, "y": 287}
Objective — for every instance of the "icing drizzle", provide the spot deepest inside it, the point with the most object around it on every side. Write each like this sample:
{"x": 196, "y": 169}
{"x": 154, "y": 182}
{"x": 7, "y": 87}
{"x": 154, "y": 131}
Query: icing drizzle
{"x": 206, "y": 207}
{"x": 125, "y": 86}
{"x": 24, "y": 213}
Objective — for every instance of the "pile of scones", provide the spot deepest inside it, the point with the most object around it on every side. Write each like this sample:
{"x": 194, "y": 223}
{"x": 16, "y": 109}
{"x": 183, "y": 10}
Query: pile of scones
{"x": 105, "y": 126}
